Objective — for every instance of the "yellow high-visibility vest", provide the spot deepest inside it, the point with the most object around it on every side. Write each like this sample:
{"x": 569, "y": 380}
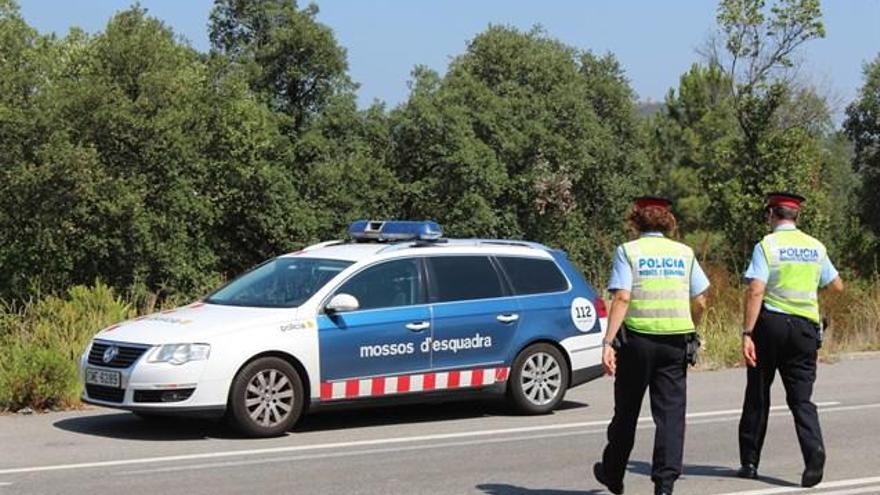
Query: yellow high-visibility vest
{"x": 795, "y": 263}
{"x": 660, "y": 302}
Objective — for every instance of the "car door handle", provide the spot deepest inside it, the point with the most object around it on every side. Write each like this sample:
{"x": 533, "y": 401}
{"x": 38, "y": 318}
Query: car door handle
{"x": 418, "y": 326}
{"x": 507, "y": 317}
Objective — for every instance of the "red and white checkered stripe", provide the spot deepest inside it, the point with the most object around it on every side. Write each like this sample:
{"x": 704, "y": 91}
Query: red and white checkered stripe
{"x": 423, "y": 382}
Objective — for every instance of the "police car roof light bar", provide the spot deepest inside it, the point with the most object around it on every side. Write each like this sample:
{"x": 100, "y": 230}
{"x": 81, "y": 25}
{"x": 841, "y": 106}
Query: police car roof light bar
{"x": 394, "y": 230}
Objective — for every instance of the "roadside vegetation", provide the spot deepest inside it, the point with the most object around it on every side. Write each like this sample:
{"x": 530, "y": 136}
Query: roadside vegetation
{"x": 41, "y": 342}
{"x": 853, "y": 321}
{"x": 129, "y": 158}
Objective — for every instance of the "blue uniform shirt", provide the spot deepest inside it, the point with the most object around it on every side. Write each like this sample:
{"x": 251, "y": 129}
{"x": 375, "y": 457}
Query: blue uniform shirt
{"x": 758, "y": 268}
{"x": 621, "y": 272}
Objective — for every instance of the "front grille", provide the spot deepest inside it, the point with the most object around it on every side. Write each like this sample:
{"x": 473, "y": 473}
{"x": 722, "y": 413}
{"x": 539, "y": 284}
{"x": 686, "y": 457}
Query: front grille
{"x": 106, "y": 394}
{"x": 126, "y": 356}
{"x": 174, "y": 395}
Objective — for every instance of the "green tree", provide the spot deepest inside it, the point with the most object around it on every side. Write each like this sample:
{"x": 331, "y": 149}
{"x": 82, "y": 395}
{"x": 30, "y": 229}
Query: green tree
{"x": 252, "y": 183}
{"x": 770, "y": 153}
{"x": 328, "y": 165}
{"x": 292, "y": 60}
{"x": 694, "y": 131}
{"x": 862, "y": 125}
{"x": 346, "y": 154}
{"x": 523, "y": 137}
{"x": 138, "y": 161}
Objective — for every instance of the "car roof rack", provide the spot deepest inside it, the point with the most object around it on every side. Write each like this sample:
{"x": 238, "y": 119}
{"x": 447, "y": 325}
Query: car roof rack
{"x": 446, "y": 242}
{"x": 323, "y": 245}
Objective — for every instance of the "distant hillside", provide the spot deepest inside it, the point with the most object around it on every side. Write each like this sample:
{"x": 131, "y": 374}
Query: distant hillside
{"x": 649, "y": 107}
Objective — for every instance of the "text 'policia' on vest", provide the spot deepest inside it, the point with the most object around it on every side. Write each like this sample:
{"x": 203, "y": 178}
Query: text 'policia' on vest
{"x": 794, "y": 260}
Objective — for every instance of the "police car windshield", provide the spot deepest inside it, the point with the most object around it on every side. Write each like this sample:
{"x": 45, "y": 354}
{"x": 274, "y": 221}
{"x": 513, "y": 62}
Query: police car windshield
{"x": 278, "y": 283}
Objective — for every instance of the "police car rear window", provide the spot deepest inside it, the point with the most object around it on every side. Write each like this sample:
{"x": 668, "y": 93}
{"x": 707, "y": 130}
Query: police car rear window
{"x": 460, "y": 278}
{"x": 532, "y": 275}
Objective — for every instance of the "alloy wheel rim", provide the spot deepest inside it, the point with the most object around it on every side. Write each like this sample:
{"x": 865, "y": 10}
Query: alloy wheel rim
{"x": 269, "y": 398}
{"x": 541, "y": 378}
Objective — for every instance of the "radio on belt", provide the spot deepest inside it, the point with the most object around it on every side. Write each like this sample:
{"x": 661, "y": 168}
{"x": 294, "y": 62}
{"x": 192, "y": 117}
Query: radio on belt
{"x": 394, "y": 230}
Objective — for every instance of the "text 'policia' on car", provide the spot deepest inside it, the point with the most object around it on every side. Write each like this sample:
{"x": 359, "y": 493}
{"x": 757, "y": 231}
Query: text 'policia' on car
{"x": 395, "y": 312}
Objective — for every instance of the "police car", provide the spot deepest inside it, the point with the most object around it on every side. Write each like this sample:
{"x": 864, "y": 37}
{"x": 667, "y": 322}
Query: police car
{"x": 395, "y": 312}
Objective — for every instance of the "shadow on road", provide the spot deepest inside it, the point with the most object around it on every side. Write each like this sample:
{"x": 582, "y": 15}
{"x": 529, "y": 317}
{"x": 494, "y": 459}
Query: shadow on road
{"x": 127, "y": 426}
{"x": 502, "y": 489}
{"x": 407, "y": 414}
{"x": 124, "y": 425}
{"x": 644, "y": 468}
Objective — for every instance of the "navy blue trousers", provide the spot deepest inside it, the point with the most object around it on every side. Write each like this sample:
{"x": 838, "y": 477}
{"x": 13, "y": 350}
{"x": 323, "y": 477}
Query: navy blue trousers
{"x": 655, "y": 363}
{"x": 787, "y": 344}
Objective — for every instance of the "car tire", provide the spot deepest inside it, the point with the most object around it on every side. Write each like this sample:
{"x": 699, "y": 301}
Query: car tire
{"x": 538, "y": 379}
{"x": 266, "y": 398}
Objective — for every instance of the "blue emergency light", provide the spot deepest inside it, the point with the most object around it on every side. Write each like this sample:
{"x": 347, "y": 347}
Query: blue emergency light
{"x": 394, "y": 230}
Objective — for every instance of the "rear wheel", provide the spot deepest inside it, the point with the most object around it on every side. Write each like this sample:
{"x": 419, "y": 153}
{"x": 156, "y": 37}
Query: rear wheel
{"x": 538, "y": 379}
{"x": 267, "y": 398}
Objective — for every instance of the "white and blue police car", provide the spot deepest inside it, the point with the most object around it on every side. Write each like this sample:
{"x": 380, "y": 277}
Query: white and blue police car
{"x": 395, "y": 312}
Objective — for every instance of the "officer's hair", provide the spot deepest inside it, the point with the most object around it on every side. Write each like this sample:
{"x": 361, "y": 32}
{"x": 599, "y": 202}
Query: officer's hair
{"x": 784, "y": 213}
{"x": 652, "y": 219}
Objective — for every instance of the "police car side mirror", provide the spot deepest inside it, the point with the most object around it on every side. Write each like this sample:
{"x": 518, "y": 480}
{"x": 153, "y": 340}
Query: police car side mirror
{"x": 341, "y": 303}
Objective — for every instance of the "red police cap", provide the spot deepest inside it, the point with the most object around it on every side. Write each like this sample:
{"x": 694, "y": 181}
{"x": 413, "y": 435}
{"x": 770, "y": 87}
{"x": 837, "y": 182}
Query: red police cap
{"x": 646, "y": 201}
{"x": 786, "y": 200}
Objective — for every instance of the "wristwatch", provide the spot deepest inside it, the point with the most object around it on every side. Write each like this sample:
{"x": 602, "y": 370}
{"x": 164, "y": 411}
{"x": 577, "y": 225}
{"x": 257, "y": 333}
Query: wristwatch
{"x": 605, "y": 343}
{"x": 747, "y": 333}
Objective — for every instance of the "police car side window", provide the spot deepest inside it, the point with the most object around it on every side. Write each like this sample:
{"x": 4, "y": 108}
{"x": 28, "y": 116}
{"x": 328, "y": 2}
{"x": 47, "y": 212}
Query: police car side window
{"x": 461, "y": 278}
{"x": 386, "y": 285}
{"x": 533, "y": 275}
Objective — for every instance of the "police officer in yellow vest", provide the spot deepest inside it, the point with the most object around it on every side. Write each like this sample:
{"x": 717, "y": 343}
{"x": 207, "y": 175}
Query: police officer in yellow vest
{"x": 658, "y": 298}
{"x": 781, "y": 332}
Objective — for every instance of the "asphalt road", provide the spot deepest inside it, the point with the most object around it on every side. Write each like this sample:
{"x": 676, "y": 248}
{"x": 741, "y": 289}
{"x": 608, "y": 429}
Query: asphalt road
{"x": 453, "y": 448}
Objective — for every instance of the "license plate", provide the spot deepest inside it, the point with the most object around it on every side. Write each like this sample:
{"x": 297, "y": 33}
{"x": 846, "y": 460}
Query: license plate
{"x": 103, "y": 377}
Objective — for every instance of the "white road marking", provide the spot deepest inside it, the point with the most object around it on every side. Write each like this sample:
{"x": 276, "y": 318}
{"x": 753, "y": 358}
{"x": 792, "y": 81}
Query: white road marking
{"x": 378, "y": 441}
{"x": 330, "y": 455}
{"x": 867, "y": 489}
{"x": 739, "y": 411}
{"x": 819, "y": 487}
{"x": 5, "y": 483}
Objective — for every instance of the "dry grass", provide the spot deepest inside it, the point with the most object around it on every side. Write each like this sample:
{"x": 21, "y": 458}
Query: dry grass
{"x": 853, "y": 316}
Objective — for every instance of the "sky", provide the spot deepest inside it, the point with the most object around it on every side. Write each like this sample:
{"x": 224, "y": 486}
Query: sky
{"x": 655, "y": 41}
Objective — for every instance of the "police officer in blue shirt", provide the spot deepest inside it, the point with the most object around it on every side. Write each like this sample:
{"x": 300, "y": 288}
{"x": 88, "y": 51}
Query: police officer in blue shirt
{"x": 658, "y": 299}
{"x": 782, "y": 332}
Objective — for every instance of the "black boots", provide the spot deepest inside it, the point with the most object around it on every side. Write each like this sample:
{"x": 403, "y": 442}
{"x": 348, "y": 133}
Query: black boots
{"x": 749, "y": 471}
{"x": 812, "y": 473}
{"x": 660, "y": 490}
{"x": 814, "y": 469}
{"x": 599, "y": 473}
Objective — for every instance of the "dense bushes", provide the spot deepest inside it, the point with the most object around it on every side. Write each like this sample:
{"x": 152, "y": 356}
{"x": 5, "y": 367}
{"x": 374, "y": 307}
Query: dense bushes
{"x": 41, "y": 342}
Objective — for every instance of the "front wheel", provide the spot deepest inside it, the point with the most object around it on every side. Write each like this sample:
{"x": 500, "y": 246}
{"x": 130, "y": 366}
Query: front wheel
{"x": 538, "y": 379}
{"x": 266, "y": 398}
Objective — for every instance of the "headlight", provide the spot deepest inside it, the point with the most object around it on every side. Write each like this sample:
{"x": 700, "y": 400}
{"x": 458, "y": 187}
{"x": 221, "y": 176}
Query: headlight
{"x": 180, "y": 353}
